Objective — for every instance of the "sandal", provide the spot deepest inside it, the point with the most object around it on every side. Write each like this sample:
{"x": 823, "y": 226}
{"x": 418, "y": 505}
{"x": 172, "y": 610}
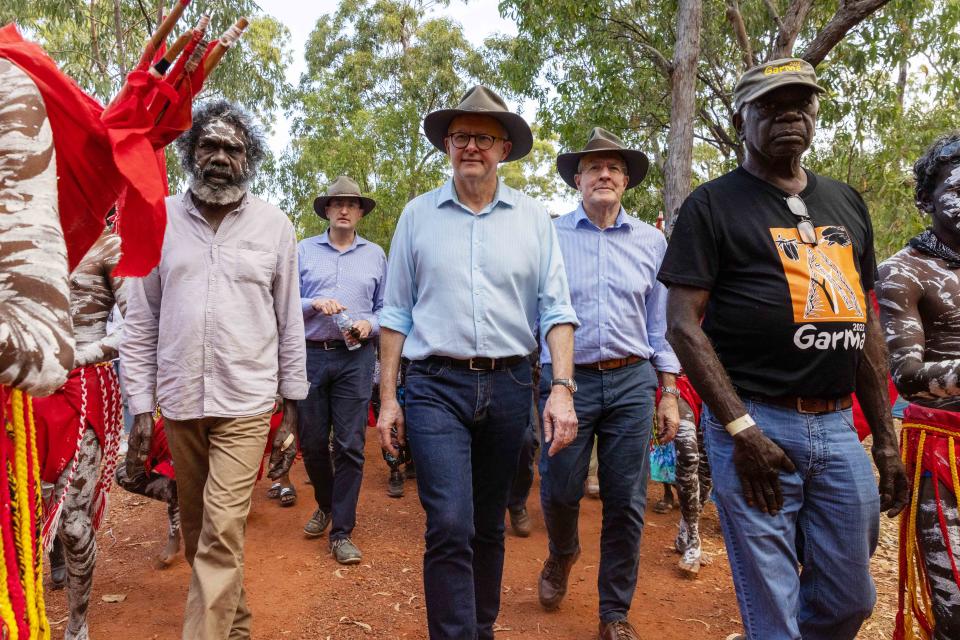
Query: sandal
{"x": 288, "y": 497}
{"x": 274, "y": 491}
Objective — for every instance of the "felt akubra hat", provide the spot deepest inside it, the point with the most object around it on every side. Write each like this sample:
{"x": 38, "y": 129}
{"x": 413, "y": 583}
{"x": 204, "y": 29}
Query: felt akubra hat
{"x": 602, "y": 140}
{"x": 342, "y": 187}
{"x": 481, "y": 101}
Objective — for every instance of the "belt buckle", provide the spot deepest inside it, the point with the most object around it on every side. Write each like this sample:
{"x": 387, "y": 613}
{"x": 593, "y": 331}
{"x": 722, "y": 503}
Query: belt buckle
{"x": 800, "y": 408}
{"x": 327, "y": 347}
{"x": 493, "y": 362}
{"x": 601, "y": 367}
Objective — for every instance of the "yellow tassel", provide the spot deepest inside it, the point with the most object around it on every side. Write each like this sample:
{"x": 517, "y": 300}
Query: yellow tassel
{"x": 23, "y": 530}
{"x": 38, "y": 515}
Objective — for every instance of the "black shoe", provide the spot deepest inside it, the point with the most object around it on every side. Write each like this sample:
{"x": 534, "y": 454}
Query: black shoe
{"x": 316, "y": 525}
{"x": 395, "y": 486}
{"x": 58, "y": 566}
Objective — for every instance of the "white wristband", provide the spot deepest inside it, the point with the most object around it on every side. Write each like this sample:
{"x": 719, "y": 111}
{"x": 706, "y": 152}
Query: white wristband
{"x": 738, "y": 425}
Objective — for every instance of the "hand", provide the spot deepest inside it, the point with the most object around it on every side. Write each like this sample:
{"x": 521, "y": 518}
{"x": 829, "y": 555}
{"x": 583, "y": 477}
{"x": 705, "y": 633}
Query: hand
{"x": 559, "y": 419}
{"x": 138, "y": 446}
{"x": 284, "y": 443}
{"x": 668, "y": 418}
{"x": 328, "y": 306}
{"x": 894, "y": 487}
{"x": 393, "y": 432}
{"x": 361, "y": 329}
{"x": 758, "y": 461}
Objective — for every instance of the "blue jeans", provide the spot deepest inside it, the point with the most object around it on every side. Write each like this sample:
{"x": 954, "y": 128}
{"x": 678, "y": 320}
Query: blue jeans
{"x": 523, "y": 479}
{"x": 339, "y": 396}
{"x": 465, "y": 429}
{"x": 616, "y": 408}
{"x": 828, "y": 526}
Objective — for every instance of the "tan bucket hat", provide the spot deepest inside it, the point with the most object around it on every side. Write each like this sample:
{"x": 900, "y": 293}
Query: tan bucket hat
{"x": 342, "y": 187}
{"x": 602, "y": 140}
{"x": 483, "y": 101}
{"x": 768, "y": 76}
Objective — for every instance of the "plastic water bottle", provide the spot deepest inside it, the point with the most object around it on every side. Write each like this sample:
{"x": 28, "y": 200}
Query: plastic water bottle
{"x": 345, "y": 324}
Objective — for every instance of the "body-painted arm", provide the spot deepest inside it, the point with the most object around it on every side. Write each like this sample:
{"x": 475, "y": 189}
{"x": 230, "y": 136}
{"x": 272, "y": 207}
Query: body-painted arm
{"x": 36, "y": 336}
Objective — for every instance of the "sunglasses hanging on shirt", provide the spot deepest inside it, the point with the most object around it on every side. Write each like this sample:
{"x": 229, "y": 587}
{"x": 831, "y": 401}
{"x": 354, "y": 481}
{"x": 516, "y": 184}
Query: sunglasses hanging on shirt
{"x": 808, "y": 234}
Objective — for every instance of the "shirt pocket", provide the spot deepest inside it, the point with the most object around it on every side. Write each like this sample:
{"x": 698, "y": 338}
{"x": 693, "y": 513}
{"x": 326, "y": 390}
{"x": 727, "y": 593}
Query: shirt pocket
{"x": 251, "y": 262}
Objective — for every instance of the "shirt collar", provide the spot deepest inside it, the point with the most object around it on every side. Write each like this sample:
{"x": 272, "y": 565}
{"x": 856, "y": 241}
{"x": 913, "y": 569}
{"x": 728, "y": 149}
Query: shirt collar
{"x": 324, "y": 238}
{"x": 580, "y": 219}
{"x": 503, "y": 195}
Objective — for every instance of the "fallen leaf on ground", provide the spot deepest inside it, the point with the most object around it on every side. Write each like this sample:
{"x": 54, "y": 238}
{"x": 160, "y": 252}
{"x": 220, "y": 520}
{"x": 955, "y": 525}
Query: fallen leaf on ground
{"x": 113, "y": 597}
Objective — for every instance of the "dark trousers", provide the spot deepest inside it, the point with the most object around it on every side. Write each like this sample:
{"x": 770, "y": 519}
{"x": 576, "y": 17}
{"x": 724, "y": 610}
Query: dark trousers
{"x": 523, "y": 479}
{"x": 614, "y": 407}
{"x": 465, "y": 430}
{"x": 339, "y": 397}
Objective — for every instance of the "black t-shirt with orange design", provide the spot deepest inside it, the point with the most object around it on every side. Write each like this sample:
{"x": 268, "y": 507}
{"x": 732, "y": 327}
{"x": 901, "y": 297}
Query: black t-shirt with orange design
{"x": 785, "y": 318}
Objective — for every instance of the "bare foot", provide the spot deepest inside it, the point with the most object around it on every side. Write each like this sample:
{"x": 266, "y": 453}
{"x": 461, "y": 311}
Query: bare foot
{"x": 166, "y": 557}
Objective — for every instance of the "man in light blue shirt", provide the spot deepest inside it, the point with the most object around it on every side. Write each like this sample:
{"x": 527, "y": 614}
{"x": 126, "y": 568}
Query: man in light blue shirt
{"x": 474, "y": 269}
{"x": 611, "y": 262}
{"x": 340, "y": 272}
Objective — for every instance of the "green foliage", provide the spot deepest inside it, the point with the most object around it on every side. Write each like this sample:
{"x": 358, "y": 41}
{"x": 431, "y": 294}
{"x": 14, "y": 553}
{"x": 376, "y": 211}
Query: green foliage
{"x": 375, "y": 68}
{"x": 97, "y": 42}
{"x": 607, "y": 63}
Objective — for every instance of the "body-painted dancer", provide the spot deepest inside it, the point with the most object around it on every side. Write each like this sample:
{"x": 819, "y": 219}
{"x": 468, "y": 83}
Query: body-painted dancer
{"x": 80, "y": 424}
{"x": 919, "y": 295}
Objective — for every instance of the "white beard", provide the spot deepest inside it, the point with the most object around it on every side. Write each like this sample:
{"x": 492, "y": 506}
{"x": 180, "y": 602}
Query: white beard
{"x": 217, "y": 194}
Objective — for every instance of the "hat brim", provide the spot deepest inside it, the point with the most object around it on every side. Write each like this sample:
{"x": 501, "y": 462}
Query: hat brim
{"x": 321, "y": 202}
{"x": 437, "y": 124}
{"x": 637, "y": 164}
{"x": 764, "y": 90}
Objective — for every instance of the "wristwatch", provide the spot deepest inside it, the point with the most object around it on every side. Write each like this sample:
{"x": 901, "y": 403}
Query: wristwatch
{"x": 671, "y": 390}
{"x": 569, "y": 383}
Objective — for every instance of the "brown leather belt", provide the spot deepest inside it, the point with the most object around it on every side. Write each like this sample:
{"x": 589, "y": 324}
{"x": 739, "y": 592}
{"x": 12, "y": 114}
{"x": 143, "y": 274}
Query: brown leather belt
{"x": 806, "y": 405}
{"x": 478, "y": 364}
{"x": 613, "y": 363}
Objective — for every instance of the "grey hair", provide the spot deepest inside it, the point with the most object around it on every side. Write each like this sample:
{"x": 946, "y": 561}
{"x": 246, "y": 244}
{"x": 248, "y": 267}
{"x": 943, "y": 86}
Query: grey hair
{"x": 926, "y": 168}
{"x": 253, "y": 137}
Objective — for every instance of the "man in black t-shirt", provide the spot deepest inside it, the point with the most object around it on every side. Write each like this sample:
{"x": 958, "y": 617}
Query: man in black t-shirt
{"x": 778, "y": 263}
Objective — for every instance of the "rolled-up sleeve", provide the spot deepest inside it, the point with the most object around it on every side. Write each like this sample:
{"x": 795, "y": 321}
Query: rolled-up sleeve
{"x": 292, "y": 349}
{"x": 663, "y": 359}
{"x": 553, "y": 293}
{"x": 400, "y": 292}
{"x": 138, "y": 351}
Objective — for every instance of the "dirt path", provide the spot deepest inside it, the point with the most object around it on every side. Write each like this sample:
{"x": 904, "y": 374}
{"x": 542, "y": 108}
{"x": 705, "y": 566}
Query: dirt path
{"x": 296, "y": 590}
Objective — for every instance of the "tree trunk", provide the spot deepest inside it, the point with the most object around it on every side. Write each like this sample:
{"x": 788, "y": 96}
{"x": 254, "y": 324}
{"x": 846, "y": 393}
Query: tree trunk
{"x": 679, "y": 167}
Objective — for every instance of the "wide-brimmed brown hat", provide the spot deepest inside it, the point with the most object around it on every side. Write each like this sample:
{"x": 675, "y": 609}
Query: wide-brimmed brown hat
{"x": 602, "y": 140}
{"x": 342, "y": 187}
{"x": 766, "y": 77}
{"x": 483, "y": 101}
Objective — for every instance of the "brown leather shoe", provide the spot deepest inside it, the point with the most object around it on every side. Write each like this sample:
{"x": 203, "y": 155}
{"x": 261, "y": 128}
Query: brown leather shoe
{"x": 553, "y": 579}
{"x": 520, "y": 522}
{"x": 618, "y": 630}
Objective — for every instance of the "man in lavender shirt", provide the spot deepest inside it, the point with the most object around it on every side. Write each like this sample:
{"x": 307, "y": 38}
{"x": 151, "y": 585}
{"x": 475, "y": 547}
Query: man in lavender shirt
{"x": 213, "y": 334}
{"x": 340, "y": 273}
{"x": 619, "y": 355}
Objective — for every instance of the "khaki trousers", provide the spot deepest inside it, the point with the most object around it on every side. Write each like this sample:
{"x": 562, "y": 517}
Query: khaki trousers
{"x": 216, "y": 460}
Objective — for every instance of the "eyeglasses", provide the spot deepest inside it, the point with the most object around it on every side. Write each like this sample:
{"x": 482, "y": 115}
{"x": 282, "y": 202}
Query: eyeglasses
{"x": 949, "y": 152}
{"x": 484, "y": 141}
{"x": 808, "y": 234}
